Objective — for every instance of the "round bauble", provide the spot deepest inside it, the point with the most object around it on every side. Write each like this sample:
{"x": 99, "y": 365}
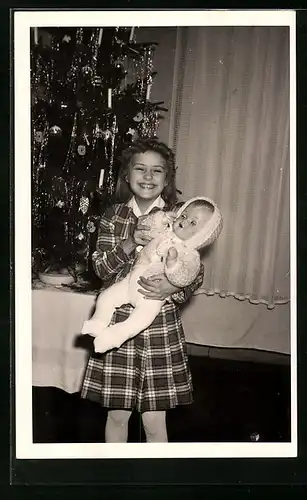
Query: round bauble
{"x": 55, "y": 131}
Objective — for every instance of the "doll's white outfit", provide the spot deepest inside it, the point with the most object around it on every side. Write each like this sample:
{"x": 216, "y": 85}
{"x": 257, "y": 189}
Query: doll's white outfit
{"x": 151, "y": 260}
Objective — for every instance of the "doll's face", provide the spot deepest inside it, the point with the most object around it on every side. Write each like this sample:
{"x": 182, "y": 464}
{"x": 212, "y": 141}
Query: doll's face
{"x": 191, "y": 221}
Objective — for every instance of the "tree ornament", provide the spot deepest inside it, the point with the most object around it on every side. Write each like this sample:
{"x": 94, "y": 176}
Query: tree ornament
{"x": 97, "y": 81}
{"x": 150, "y": 124}
{"x": 139, "y": 117}
{"x": 38, "y": 136}
{"x": 106, "y": 134}
{"x": 97, "y": 132}
{"x": 60, "y": 204}
{"x": 87, "y": 71}
{"x": 119, "y": 65}
{"x": 64, "y": 105}
{"x": 85, "y": 137}
{"x": 59, "y": 187}
{"x": 81, "y": 149}
{"x": 79, "y": 36}
{"x": 90, "y": 226}
{"x": 255, "y": 436}
{"x": 66, "y": 38}
{"x": 55, "y": 131}
{"x": 65, "y": 99}
{"x": 40, "y": 93}
{"x": 84, "y": 204}
{"x": 134, "y": 134}
{"x": 80, "y": 237}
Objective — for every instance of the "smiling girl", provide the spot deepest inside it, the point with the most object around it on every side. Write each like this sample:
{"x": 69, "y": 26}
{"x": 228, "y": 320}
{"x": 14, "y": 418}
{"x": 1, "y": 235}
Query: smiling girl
{"x": 148, "y": 373}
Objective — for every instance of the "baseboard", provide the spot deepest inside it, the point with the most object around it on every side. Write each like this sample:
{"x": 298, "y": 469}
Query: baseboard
{"x": 231, "y": 353}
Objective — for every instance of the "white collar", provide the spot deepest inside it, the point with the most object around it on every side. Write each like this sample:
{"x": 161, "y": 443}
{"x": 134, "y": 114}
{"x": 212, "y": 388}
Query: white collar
{"x": 157, "y": 203}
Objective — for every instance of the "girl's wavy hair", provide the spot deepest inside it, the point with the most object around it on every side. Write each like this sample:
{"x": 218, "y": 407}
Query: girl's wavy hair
{"x": 123, "y": 192}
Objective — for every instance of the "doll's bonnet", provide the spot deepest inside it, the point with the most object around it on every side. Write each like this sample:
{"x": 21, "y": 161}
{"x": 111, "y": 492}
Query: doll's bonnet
{"x": 212, "y": 229}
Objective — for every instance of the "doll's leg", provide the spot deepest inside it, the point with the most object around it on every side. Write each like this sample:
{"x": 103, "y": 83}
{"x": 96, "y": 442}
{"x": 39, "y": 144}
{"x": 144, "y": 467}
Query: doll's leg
{"x": 116, "y": 430}
{"x": 154, "y": 423}
{"x": 141, "y": 318}
{"x": 106, "y": 303}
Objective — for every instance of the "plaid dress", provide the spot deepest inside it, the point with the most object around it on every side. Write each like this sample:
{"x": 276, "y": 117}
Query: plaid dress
{"x": 150, "y": 371}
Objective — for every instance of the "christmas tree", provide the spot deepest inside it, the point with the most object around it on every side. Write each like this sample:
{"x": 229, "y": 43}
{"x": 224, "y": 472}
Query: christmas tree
{"x": 90, "y": 96}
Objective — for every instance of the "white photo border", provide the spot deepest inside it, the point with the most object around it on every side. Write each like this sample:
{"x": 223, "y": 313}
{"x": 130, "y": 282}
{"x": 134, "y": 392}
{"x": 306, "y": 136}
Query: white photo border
{"x": 23, "y": 20}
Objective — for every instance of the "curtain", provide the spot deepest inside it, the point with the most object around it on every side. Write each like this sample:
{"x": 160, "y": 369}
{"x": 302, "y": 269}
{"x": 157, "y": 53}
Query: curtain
{"x": 230, "y": 132}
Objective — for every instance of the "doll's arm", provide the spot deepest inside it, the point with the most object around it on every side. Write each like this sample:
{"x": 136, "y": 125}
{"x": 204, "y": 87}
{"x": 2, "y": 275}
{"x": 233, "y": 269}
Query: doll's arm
{"x": 187, "y": 292}
{"x": 183, "y": 270}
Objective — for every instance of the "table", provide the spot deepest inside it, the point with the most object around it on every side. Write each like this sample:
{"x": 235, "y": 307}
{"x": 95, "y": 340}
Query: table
{"x": 59, "y": 353}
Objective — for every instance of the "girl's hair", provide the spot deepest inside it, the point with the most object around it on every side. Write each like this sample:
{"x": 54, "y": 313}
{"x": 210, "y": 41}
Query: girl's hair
{"x": 123, "y": 192}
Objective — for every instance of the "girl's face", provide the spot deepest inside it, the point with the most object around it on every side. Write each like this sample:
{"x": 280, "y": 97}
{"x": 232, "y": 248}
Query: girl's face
{"x": 147, "y": 175}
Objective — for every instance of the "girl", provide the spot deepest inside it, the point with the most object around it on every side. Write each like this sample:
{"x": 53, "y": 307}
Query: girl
{"x": 150, "y": 372}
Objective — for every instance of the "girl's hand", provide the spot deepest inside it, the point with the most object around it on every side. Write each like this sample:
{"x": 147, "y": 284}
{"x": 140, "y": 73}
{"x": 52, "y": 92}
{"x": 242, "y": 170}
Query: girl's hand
{"x": 156, "y": 287}
{"x": 141, "y": 235}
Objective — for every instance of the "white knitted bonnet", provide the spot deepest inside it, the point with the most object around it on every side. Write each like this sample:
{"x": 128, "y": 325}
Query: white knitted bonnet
{"x": 212, "y": 229}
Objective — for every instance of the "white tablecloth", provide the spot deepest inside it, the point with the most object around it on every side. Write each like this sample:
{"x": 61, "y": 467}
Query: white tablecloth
{"x": 59, "y": 355}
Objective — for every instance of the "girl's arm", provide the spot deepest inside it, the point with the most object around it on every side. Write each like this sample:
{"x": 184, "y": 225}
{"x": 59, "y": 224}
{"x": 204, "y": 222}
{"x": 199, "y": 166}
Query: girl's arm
{"x": 110, "y": 255}
{"x": 187, "y": 292}
{"x": 159, "y": 288}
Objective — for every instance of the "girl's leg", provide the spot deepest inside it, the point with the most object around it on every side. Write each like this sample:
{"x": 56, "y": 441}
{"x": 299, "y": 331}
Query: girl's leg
{"x": 116, "y": 430}
{"x": 154, "y": 423}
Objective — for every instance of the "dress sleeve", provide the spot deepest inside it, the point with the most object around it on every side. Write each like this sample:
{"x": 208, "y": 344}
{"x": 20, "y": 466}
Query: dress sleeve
{"x": 109, "y": 256}
{"x": 187, "y": 292}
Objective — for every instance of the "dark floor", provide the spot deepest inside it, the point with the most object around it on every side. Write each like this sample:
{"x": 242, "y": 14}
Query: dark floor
{"x": 233, "y": 402}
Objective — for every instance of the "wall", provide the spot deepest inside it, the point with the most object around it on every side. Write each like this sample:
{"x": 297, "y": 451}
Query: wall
{"x": 215, "y": 321}
{"x": 228, "y": 322}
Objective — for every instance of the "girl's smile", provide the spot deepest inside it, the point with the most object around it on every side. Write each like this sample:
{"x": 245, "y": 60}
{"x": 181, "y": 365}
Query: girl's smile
{"x": 147, "y": 186}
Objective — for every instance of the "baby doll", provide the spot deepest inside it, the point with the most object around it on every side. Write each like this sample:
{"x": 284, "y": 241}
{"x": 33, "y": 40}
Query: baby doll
{"x": 197, "y": 224}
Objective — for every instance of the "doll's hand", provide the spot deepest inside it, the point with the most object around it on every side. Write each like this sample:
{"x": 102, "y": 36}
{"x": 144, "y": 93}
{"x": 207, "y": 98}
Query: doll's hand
{"x": 156, "y": 287}
{"x": 171, "y": 216}
{"x": 171, "y": 257}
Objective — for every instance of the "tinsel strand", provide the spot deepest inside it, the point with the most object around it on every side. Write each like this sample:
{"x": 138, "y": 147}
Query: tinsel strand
{"x": 71, "y": 148}
{"x": 111, "y": 182}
